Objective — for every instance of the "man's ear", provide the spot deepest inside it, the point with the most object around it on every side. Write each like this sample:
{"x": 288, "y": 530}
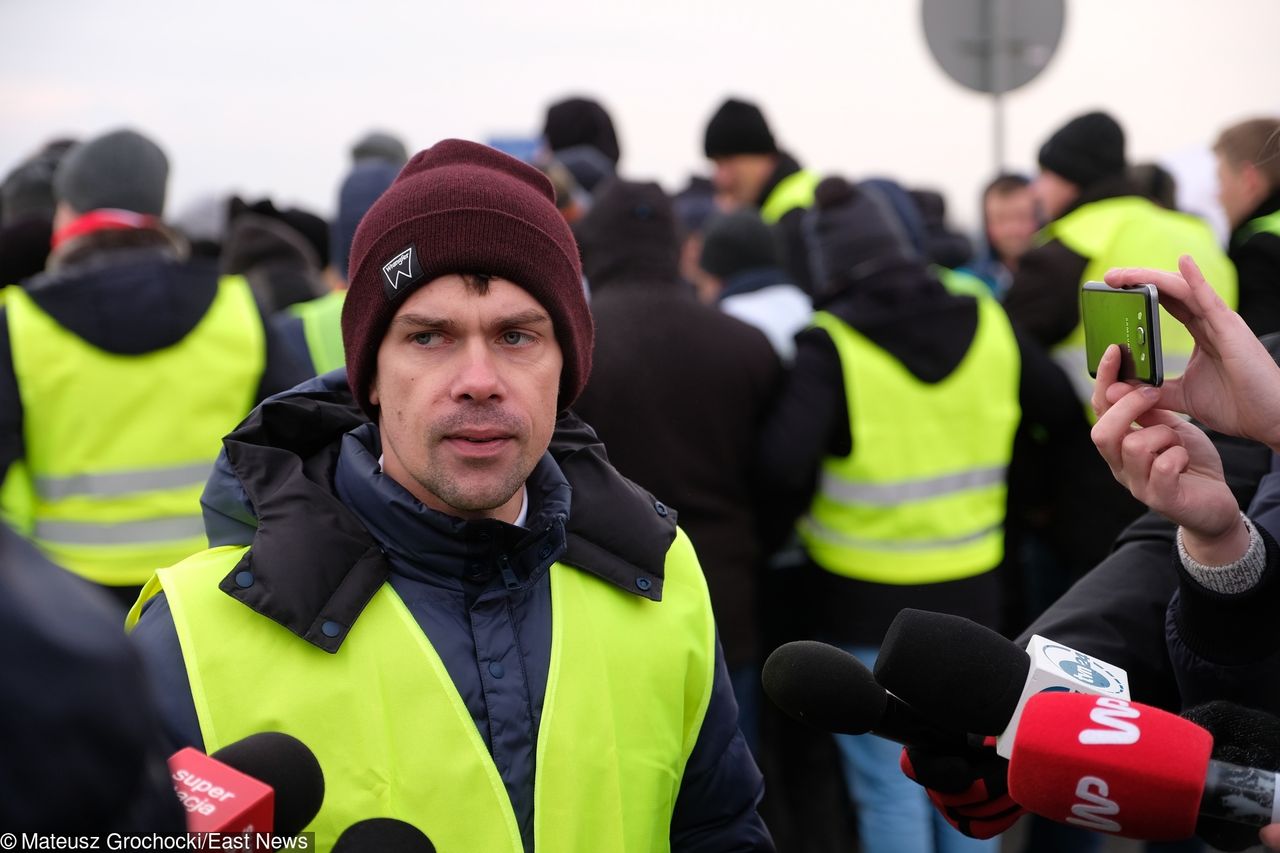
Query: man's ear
{"x": 373, "y": 390}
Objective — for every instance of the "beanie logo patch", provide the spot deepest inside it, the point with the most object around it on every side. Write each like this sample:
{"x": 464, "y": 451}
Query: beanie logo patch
{"x": 400, "y": 273}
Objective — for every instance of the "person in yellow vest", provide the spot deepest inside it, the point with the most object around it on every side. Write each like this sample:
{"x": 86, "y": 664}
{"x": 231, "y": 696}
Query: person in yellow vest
{"x": 752, "y": 171}
{"x": 894, "y": 443}
{"x": 314, "y": 327}
{"x": 431, "y": 575}
{"x": 1096, "y": 220}
{"x": 121, "y": 367}
{"x": 1249, "y": 190}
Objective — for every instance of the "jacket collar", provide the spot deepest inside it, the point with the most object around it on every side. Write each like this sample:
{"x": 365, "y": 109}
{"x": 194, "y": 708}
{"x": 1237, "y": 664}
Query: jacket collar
{"x": 313, "y": 566}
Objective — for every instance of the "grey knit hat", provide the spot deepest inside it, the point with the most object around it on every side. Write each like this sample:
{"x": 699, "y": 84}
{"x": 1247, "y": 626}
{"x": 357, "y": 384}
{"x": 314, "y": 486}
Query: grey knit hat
{"x": 122, "y": 170}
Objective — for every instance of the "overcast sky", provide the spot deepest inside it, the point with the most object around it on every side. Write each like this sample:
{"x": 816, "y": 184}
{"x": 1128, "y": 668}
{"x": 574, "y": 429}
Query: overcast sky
{"x": 265, "y": 97}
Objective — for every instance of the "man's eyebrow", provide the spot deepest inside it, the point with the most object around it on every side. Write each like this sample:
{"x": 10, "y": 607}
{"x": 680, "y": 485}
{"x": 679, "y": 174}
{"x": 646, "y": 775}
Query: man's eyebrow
{"x": 421, "y": 321}
{"x": 531, "y": 317}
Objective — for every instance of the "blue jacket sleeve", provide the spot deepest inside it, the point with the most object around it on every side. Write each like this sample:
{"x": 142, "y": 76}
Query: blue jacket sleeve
{"x": 716, "y": 809}
{"x": 156, "y": 639}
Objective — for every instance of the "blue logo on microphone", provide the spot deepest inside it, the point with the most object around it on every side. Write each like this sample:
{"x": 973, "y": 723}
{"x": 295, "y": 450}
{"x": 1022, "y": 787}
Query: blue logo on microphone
{"x": 1084, "y": 669}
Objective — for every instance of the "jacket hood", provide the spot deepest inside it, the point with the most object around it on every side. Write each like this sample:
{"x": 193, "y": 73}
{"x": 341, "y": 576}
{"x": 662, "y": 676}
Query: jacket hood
{"x": 277, "y": 467}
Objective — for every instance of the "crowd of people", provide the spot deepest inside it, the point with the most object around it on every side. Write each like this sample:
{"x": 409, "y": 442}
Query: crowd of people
{"x": 497, "y": 488}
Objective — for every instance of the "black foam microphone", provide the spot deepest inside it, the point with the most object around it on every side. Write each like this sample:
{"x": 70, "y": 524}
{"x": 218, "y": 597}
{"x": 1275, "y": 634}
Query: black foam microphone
{"x": 383, "y": 835}
{"x": 953, "y": 668}
{"x": 289, "y": 767}
{"x": 831, "y": 690}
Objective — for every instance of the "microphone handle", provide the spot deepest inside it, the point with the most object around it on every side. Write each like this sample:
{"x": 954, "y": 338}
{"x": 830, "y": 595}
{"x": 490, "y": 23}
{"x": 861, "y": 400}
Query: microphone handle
{"x": 1240, "y": 794}
{"x": 904, "y": 724}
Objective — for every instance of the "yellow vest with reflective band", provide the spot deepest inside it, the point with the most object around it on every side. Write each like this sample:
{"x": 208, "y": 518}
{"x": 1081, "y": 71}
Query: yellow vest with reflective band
{"x": 1134, "y": 232}
{"x": 1269, "y": 224}
{"x": 322, "y": 328}
{"x": 627, "y": 689}
{"x": 922, "y": 497}
{"x": 118, "y": 447}
{"x": 795, "y": 190}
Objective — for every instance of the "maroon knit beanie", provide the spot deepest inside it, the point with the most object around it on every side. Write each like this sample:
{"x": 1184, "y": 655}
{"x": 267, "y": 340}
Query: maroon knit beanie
{"x": 462, "y": 207}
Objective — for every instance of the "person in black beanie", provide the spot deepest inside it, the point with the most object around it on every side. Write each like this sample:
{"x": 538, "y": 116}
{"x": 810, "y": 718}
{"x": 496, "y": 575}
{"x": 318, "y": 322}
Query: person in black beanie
{"x": 580, "y": 135}
{"x": 677, "y": 393}
{"x": 901, "y": 393}
{"x": 1096, "y": 220}
{"x": 751, "y": 170}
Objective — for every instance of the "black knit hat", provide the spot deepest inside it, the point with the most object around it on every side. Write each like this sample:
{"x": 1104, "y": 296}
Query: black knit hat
{"x": 738, "y": 127}
{"x": 852, "y": 233}
{"x": 737, "y": 242}
{"x": 1085, "y": 150}
{"x": 629, "y": 235}
{"x": 581, "y": 121}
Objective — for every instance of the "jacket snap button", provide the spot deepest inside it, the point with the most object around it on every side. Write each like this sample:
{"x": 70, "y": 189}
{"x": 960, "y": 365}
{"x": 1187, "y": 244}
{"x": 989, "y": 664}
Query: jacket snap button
{"x": 244, "y": 580}
{"x": 643, "y": 584}
{"x": 661, "y": 508}
{"x": 544, "y": 552}
{"x": 331, "y": 629}
{"x": 496, "y": 669}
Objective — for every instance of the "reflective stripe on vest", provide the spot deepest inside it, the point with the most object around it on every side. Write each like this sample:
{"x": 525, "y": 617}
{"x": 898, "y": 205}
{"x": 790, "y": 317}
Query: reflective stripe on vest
{"x": 922, "y": 497}
{"x": 628, "y": 686}
{"x": 322, "y": 328}
{"x": 118, "y": 447}
{"x": 1269, "y": 224}
{"x": 1134, "y": 232}
{"x": 795, "y": 190}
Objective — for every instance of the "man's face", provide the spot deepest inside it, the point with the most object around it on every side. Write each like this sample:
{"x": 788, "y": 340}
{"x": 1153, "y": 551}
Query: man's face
{"x": 467, "y": 385}
{"x": 741, "y": 177}
{"x": 1239, "y": 187}
{"x": 1011, "y": 221}
{"x": 1054, "y": 193}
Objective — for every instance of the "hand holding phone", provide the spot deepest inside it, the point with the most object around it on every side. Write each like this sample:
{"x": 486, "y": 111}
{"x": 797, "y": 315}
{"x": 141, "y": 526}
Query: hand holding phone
{"x": 1130, "y": 318}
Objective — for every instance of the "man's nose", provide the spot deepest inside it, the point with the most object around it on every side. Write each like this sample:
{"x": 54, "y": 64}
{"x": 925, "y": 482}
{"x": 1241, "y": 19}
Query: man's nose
{"x": 477, "y": 377}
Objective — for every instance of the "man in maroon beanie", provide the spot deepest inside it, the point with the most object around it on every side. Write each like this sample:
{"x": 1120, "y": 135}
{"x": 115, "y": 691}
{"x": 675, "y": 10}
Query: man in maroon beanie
{"x": 432, "y": 576}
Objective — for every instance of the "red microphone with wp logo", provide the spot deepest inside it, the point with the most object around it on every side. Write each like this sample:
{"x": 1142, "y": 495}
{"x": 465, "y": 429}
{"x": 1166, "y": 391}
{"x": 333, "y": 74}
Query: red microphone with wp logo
{"x": 1128, "y": 769}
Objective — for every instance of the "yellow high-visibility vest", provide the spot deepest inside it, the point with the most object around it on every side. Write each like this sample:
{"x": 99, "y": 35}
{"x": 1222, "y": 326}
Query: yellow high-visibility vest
{"x": 628, "y": 686}
{"x": 322, "y": 328}
{"x": 118, "y": 447}
{"x": 922, "y": 497}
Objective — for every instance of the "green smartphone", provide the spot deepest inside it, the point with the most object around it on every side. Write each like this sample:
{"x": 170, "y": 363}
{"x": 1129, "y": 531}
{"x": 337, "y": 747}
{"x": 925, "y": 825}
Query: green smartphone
{"x": 1130, "y": 317}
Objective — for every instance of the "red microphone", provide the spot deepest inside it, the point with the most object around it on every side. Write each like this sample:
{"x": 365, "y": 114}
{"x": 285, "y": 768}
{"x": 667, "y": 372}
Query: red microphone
{"x": 1128, "y": 769}
{"x": 217, "y": 798}
{"x": 267, "y": 782}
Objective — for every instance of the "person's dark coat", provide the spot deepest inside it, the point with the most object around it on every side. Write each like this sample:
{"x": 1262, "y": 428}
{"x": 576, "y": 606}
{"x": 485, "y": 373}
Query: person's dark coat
{"x": 677, "y": 393}
{"x": 1257, "y": 260}
{"x": 82, "y": 750}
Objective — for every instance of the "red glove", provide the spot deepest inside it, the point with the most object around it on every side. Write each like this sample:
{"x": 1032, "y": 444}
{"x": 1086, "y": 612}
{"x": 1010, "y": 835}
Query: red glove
{"x": 970, "y": 788}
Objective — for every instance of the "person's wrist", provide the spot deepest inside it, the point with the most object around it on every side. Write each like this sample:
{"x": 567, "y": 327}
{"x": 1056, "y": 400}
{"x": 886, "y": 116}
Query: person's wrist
{"x": 1217, "y": 548}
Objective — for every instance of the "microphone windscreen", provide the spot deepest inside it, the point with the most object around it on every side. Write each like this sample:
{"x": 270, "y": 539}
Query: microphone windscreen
{"x": 289, "y": 767}
{"x": 824, "y": 687}
{"x": 1243, "y": 736}
{"x": 1109, "y": 765}
{"x": 383, "y": 835}
{"x": 951, "y": 668}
